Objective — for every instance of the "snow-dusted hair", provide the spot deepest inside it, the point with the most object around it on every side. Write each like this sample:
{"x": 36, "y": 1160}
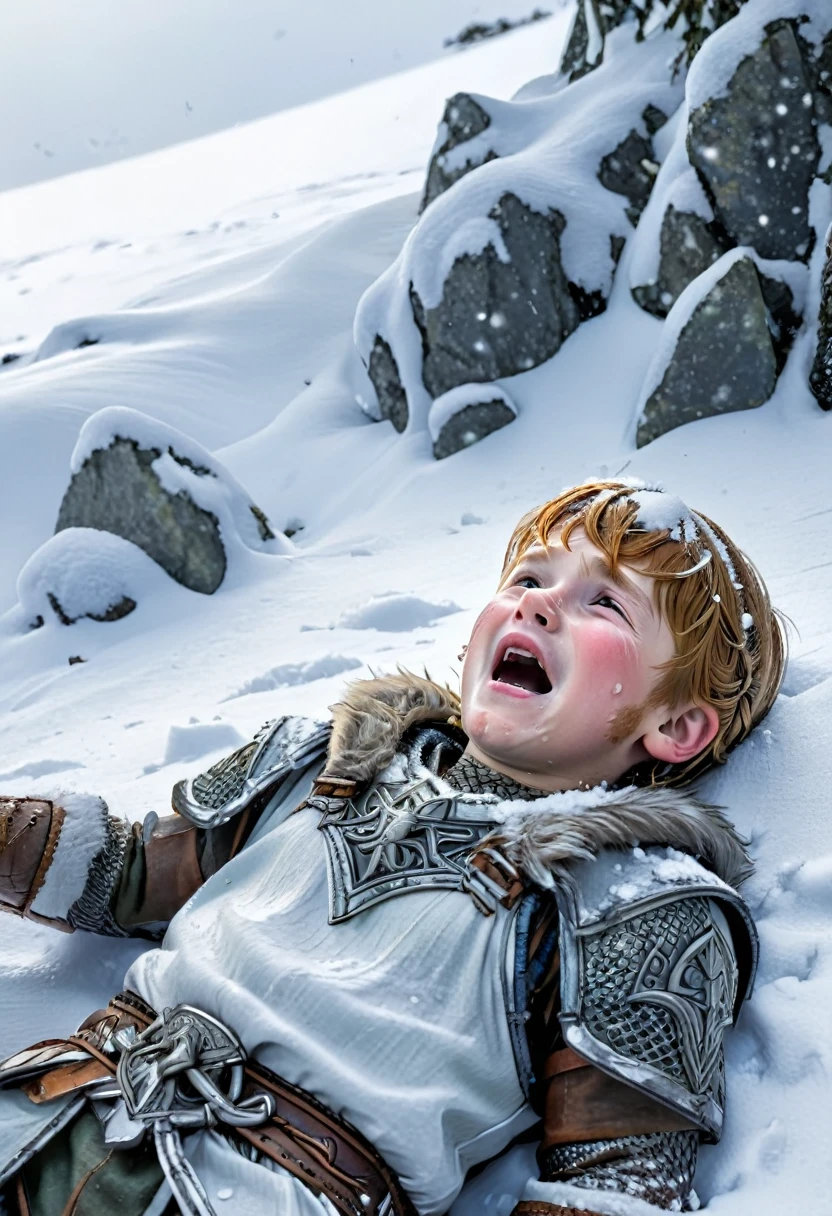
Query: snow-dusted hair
{"x": 730, "y": 642}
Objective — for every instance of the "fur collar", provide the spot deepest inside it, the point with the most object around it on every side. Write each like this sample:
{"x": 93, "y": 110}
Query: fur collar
{"x": 538, "y": 837}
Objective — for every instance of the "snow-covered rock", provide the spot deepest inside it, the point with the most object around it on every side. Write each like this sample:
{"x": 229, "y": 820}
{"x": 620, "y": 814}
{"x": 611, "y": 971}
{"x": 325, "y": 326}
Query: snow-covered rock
{"x": 506, "y": 262}
{"x": 465, "y": 415}
{"x": 82, "y": 572}
{"x": 463, "y": 119}
{"x": 757, "y": 148}
{"x": 716, "y": 353}
{"x": 152, "y": 485}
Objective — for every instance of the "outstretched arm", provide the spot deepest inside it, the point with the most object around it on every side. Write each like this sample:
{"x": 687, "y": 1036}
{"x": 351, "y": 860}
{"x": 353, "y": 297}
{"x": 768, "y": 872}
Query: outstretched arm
{"x": 72, "y": 865}
{"x": 67, "y": 862}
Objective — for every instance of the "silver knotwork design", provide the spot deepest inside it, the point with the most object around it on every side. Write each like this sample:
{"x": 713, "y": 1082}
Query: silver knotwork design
{"x": 252, "y": 772}
{"x": 399, "y": 837}
{"x": 185, "y": 1071}
{"x": 696, "y": 984}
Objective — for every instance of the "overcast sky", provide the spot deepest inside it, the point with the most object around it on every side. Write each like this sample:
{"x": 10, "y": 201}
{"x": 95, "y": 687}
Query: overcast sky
{"x": 84, "y": 83}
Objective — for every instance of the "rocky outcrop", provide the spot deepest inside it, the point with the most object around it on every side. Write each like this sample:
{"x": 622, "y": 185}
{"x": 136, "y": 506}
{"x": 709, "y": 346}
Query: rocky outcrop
{"x": 499, "y": 316}
{"x": 384, "y": 374}
{"x": 689, "y": 244}
{"x": 756, "y": 149}
{"x": 463, "y": 119}
{"x": 723, "y": 358}
{"x": 465, "y": 415}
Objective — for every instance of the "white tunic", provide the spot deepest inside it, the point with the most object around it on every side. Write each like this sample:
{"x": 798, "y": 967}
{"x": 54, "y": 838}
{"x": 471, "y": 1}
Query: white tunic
{"x": 395, "y": 1019}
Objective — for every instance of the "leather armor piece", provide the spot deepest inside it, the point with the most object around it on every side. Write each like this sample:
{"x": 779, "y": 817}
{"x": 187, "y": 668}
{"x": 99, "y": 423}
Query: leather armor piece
{"x": 29, "y": 832}
{"x": 583, "y": 1103}
{"x": 161, "y": 872}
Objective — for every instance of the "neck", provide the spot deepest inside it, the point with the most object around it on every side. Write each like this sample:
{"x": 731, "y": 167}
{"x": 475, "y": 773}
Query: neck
{"x": 550, "y": 783}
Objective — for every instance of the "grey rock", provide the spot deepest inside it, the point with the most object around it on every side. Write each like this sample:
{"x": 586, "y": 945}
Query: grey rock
{"x": 464, "y": 118}
{"x": 784, "y": 319}
{"x": 383, "y": 370}
{"x": 471, "y": 424}
{"x": 820, "y": 377}
{"x": 689, "y": 244}
{"x": 607, "y": 14}
{"x": 115, "y": 612}
{"x": 116, "y": 490}
{"x": 724, "y": 359}
{"x": 630, "y": 170}
{"x": 499, "y": 318}
{"x": 654, "y": 118}
{"x": 756, "y": 149}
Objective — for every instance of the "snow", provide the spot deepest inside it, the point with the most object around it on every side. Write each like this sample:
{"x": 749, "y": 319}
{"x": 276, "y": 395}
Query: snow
{"x": 710, "y": 74}
{"x": 214, "y": 334}
{"x": 396, "y": 613}
{"x": 456, "y": 399}
{"x": 213, "y": 65}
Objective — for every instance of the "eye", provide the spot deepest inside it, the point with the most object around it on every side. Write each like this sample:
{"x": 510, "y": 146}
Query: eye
{"x": 527, "y": 580}
{"x": 608, "y": 602}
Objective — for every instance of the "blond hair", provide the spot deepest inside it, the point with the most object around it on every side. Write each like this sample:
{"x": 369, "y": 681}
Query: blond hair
{"x": 730, "y": 642}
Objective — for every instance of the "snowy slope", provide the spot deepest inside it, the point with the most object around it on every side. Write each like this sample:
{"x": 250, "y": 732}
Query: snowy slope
{"x": 397, "y": 551}
{"x": 85, "y": 85}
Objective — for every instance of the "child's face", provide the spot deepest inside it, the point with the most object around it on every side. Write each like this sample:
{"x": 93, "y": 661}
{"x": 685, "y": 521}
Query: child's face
{"x": 559, "y": 665}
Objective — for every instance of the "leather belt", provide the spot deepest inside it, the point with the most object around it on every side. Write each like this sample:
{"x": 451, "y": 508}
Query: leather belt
{"x": 185, "y": 1070}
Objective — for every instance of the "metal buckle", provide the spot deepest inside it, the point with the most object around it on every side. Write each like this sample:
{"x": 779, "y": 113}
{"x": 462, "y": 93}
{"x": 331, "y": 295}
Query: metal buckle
{"x": 184, "y": 1071}
{"x": 485, "y": 891}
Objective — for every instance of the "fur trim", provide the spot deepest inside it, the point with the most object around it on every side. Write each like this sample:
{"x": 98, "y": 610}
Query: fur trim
{"x": 374, "y": 714}
{"x": 538, "y": 837}
{"x": 83, "y": 836}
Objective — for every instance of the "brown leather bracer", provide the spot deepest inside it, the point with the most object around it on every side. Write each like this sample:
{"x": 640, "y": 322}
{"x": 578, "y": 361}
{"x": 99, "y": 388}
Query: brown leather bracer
{"x": 29, "y": 832}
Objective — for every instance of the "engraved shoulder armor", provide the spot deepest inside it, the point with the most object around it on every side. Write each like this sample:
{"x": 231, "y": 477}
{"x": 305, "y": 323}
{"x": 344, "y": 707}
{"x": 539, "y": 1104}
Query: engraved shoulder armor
{"x": 256, "y": 769}
{"x": 657, "y": 955}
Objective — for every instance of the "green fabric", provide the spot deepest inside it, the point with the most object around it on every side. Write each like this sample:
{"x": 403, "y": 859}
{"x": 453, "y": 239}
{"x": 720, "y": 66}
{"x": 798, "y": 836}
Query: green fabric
{"x": 125, "y": 1184}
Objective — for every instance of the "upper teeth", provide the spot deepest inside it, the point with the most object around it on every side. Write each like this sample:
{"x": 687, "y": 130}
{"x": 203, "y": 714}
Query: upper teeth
{"x": 524, "y": 654}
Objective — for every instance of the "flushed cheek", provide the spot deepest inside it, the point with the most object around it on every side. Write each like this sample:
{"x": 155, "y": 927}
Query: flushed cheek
{"x": 606, "y": 654}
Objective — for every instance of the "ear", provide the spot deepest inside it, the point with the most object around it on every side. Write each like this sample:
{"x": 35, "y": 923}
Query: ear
{"x": 682, "y": 734}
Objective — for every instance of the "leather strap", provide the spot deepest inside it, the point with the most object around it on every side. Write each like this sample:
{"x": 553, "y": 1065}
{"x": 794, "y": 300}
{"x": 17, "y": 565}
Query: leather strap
{"x": 584, "y": 1103}
{"x": 304, "y": 1137}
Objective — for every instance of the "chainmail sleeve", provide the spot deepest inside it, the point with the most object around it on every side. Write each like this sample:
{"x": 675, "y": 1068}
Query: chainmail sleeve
{"x": 656, "y": 1168}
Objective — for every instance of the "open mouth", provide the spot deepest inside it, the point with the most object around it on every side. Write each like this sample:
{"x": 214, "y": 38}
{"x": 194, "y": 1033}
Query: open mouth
{"x": 522, "y": 669}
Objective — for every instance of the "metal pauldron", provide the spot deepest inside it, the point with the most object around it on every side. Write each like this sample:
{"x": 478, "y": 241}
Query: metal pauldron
{"x": 217, "y": 795}
{"x": 647, "y": 995}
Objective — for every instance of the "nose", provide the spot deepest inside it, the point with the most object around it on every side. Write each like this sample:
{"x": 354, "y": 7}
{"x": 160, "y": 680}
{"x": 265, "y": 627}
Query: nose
{"x": 535, "y": 604}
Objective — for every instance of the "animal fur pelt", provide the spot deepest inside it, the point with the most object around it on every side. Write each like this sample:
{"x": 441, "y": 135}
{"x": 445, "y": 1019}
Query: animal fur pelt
{"x": 538, "y": 837}
{"x": 368, "y": 724}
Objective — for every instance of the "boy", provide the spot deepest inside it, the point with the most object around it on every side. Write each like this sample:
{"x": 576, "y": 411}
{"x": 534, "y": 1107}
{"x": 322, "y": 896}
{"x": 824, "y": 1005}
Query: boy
{"x": 394, "y": 943}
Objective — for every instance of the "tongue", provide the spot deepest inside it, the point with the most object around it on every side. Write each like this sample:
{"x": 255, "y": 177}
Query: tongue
{"x": 523, "y": 673}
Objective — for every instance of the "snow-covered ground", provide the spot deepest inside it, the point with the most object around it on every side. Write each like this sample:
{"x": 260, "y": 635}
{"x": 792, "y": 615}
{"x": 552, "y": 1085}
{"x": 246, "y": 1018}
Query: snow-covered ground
{"x": 84, "y": 85}
{"x": 220, "y": 279}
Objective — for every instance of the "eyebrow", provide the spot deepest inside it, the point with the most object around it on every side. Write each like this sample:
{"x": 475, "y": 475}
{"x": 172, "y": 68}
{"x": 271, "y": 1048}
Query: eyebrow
{"x": 600, "y": 566}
